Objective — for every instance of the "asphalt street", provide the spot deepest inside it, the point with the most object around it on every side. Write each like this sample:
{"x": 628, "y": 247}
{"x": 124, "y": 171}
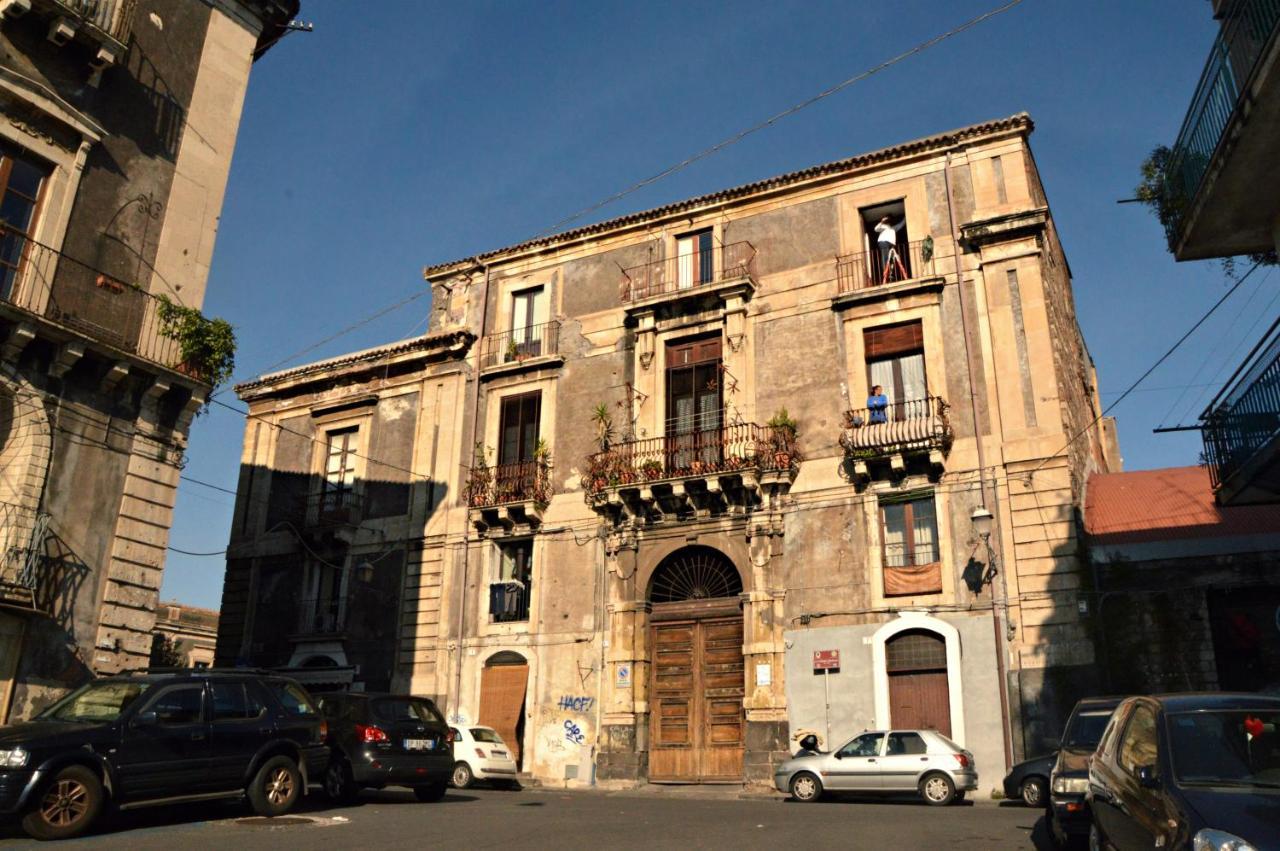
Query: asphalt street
{"x": 539, "y": 818}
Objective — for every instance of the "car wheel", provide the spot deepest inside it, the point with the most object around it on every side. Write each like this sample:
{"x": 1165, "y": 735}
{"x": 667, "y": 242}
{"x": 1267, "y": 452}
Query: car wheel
{"x": 1033, "y": 789}
{"x": 429, "y": 794}
{"x": 462, "y": 776}
{"x": 67, "y": 806}
{"x": 806, "y": 787}
{"x": 339, "y": 786}
{"x": 276, "y": 787}
{"x": 937, "y": 789}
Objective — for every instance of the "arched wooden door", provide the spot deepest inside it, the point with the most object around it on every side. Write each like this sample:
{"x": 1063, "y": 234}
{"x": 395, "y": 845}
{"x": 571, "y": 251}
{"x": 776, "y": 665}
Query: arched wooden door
{"x": 696, "y": 683}
{"x": 919, "y": 694}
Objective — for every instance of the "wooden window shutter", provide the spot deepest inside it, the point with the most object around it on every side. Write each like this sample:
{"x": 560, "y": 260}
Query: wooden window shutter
{"x": 893, "y": 339}
{"x": 693, "y": 351}
{"x": 502, "y": 700}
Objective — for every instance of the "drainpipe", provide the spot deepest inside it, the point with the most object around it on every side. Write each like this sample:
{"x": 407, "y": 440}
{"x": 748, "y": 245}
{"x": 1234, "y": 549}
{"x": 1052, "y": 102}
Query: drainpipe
{"x": 1005, "y": 731}
{"x": 466, "y": 531}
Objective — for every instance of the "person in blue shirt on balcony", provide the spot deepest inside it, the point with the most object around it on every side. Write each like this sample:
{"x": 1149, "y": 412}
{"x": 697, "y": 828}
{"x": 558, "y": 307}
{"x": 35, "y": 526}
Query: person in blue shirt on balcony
{"x": 877, "y": 406}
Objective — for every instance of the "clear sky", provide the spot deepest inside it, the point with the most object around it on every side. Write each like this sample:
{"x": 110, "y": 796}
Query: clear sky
{"x": 402, "y": 133}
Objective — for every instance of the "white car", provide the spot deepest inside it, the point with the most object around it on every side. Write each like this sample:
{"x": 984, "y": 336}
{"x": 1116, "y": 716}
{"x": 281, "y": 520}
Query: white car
{"x": 480, "y": 754}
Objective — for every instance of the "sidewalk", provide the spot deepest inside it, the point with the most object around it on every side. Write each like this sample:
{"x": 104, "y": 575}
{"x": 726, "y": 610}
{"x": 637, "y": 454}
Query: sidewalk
{"x": 713, "y": 792}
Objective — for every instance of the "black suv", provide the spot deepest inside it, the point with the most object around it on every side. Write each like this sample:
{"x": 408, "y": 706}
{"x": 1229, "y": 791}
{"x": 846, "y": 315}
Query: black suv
{"x": 1068, "y": 810}
{"x": 379, "y": 740}
{"x": 161, "y": 738}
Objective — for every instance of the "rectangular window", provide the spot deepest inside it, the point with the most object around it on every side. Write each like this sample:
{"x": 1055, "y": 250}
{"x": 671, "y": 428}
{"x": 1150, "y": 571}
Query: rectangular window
{"x": 339, "y": 469}
{"x": 21, "y": 179}
{"x": 910, "y": 540}
{"x": 322, "y": 610}
{"x": 895, "y": 364}
{"x": 694, "y": 403}
{"x": 694, "y": 259}
{"x": 518, "y": 428}
{"x": 887, "y": 243}
{"x": 509, "y": 595}
{"x": 528, "y": 317}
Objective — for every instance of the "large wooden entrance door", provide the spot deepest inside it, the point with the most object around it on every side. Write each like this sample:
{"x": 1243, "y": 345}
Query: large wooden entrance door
{"x": 919, "y": 695}
{"x": 695, "y": 701}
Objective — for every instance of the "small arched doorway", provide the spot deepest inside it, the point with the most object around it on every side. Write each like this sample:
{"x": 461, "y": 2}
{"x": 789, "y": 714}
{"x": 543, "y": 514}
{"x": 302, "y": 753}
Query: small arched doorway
{"x": 919, "y": 694}
{"x": 503, "y": 682}
{"x": 696, "y": 683}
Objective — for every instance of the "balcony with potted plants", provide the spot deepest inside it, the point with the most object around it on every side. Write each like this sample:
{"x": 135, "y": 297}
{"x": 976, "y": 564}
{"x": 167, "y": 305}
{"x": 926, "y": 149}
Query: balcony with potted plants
{"x": 719, "y": 272}
{"x": 521, "y": 349}
{"x": 728, "y": 469}
{"x": 891, "y": 439}
{"x": 508, "y": 498}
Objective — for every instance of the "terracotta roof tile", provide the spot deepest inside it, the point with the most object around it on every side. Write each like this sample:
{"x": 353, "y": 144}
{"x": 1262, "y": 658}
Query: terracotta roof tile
{"x": 1171, "y": 503}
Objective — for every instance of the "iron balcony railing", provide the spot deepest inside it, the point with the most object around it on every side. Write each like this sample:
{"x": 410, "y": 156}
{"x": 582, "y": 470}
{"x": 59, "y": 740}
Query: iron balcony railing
{"x": 323, "y": 615}
{"x": 333, "y": 506}
{"x": 519, "y": 344}
{"x": 111, "y": 18}
{"x": 877, "y": 267}
{"x": 509, "y": 601}
{"x": 43, "y": 281}
{"x": 746, "y": 446}
{"x": 899, "y": 555}
{"x": 22, "y": 536}
{"x": 1247, "y": 420}
{"x": 1248, "y": 27}
{"x": 918, "y": 424}
{"x": 505, "y": 484}
{"x": 689, "y": 272}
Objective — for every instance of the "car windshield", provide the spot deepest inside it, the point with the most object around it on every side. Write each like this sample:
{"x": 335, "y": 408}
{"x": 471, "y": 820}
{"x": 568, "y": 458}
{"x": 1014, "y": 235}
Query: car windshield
{"x": 96, "y": 702}
{"x": 1228, "y": 747}
{"x": 483, "y": 734}
{"x": 415, "y": 709}
{"x": 1086, "y": 729}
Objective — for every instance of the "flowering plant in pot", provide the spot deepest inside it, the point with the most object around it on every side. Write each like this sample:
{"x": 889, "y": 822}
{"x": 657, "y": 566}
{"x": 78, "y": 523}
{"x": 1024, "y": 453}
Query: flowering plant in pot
{"x": 782, "y": 439}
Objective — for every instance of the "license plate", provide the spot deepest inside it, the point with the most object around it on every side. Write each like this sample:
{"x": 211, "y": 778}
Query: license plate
{"x": 419, "y": 744}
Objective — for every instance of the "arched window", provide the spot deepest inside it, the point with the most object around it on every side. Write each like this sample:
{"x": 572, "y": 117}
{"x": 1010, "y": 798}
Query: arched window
{"x": 503, "y": 658}
{"x": 915, "y": 650}
{"x": 694, "y": 573}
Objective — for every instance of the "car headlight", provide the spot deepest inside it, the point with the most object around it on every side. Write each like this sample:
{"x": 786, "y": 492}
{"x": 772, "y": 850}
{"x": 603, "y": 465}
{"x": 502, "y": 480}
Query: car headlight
{"x": 1218, "y": 840}
{"x": 1070, "y": 785}
{"x": 13, "y": 758}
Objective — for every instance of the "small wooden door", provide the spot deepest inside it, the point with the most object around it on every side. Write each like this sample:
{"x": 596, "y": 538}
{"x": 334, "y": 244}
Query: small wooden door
{"x": 919, "y": 695}
{"x": 502, "y": 689}
{"x": 695, "y": 701}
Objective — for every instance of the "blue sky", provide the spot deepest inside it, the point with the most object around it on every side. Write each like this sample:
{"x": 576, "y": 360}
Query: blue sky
{"x": 402, "y": 133}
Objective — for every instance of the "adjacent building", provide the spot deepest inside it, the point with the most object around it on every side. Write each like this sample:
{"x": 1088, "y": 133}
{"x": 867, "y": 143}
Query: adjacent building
{"x": 191, "y": 632}
{"x": 120, "y": 118}
{"x": 656, "y": 496}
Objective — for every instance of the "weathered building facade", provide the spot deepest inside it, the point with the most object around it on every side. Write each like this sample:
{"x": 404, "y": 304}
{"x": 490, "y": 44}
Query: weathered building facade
{"x": 192, "y": 633}
{"x": 119, "y": 120}
{"x": 659, "y": 520}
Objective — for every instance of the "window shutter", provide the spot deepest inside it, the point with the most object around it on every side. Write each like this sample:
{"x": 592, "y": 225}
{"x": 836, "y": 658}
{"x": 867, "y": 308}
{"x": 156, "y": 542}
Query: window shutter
{"x": 893, "y": 339}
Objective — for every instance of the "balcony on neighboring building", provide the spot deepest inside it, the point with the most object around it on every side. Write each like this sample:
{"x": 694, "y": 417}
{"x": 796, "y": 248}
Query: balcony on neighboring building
{"x": 22, "y": 565}
{"x": 878, "y": 273}
{"x": 714, "y": 270}
{"x": 508, "y": 497}
{"x": 40, "y": 282}
{"x": 1221, "y": 186}
{"x": 530, "y": 347}
{"x": 694, "y": 474}
{"x": 1242, "y": 432}
{"x": 104, "y": 25}
{"x": 891, "y": 436}
{"x": 331, "y": 517}
{"x": 321, "y": 616}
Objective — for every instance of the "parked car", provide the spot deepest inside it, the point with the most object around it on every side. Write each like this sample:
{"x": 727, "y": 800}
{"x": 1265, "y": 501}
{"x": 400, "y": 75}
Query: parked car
{"x": 161, "y": 738}
{"x": 1068, "y": 810}
{"x": 1029, "y": 780}
{"x": 379, "y": 740}
{"x": 480, "y": 754}
{"x": 922, "y": 761}
{"x": 1188, "y": 771}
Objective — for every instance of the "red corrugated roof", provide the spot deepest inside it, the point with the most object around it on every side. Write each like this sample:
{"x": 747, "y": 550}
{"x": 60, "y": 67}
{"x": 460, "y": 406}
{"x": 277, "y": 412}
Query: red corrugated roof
{"x": 1172, "y": 503}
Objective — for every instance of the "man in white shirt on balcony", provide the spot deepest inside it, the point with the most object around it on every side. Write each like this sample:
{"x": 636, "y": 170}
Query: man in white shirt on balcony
{"x": 886, "y": 241}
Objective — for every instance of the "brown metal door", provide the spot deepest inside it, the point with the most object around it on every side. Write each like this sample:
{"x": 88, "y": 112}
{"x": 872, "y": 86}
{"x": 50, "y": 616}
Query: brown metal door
{"x": 695, "y": 701}
{"x": 920, "y": 701}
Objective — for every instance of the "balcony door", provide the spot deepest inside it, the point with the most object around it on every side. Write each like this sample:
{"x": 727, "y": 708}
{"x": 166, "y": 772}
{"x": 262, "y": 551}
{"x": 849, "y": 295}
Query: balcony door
{"x": 20, "y": 184}
{"x": 339, "y": 470}
{"x": 693, "y": 259}
{"x": 529, "y": 314}
{"x": 694, "y": 403}
{"x": 895, "y": 361}
{"x": 517, "y": 445}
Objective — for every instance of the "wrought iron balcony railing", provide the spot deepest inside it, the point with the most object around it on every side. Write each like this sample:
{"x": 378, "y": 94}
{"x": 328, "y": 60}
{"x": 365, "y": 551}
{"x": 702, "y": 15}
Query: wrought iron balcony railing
{"x": 899, "y": 555}
{"x": 915, "y": 425}
{"x": 505, "y": 484}
{"x": 1247, "y": 28}
{"x": 875, "y": 268}
{"x": 689, "y": 272}
{"x": 333, "y": 507}
{"x": 1247, "y": 420}
{"x": 509, "y": 601}
{"x": 22, "y": 535}
{"x": 520, "y": 344}
{"x": 321, "y": 616}
{"x": 43, "y": 281}
{"x": 728, "y": 449}
{"x": 111, "y": 18}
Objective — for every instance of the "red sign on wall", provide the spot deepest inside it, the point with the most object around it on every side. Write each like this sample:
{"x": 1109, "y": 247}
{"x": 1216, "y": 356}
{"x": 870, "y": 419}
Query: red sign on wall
{"x": 826, "y": 660}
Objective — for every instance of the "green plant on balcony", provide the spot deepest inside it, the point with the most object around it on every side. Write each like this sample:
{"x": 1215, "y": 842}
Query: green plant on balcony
{"x": 479, "y": 478}
{"x": 603, "y": 422}
{"x": 781, "y": 440}
{"x": 207, "y": 346}
{"x": 652, "y": 469}
{"x": 1159, "y": 190}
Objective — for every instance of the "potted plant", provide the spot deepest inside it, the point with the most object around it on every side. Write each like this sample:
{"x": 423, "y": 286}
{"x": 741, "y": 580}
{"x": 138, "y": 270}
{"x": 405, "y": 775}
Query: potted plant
{"x": 479, "y": 478}
{"x": 513, "y": 351}
{"x": 604, "y": 425}
{"x": 207, "y": 347}
{"x": 652, "y": 469}
{"x": 782, "y": 437}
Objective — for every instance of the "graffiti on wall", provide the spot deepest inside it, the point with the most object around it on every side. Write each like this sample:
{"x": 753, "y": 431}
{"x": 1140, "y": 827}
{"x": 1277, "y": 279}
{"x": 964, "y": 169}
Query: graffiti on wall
{"x": 576, "y": 703}
{"x": 573, "y": 733}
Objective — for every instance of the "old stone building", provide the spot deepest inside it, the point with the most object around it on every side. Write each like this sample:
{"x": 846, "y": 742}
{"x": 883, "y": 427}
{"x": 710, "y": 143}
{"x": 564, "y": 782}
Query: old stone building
{"x": 656, "y": 495}
{"x": 192, "y": 633}
{"x": 120, "y": 117}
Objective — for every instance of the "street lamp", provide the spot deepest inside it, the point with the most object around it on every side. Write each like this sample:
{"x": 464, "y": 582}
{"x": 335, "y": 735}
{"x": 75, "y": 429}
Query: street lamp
{"x": 364, "y": 572}
{"x": 982, "y": 522}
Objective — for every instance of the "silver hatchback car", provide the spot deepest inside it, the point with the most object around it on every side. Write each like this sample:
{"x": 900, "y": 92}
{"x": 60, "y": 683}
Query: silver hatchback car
{"x": 922, "y": 761}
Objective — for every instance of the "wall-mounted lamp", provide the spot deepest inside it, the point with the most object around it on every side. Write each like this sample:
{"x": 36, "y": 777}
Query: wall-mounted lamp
{"x": 982, "y": 522}
{"x": 364, "y": 572}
